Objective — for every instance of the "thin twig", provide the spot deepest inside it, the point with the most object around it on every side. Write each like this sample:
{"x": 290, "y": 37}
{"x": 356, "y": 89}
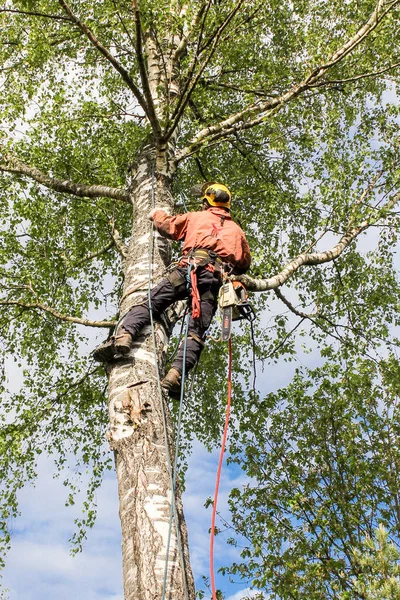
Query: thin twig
{"x": 35, "y": 14}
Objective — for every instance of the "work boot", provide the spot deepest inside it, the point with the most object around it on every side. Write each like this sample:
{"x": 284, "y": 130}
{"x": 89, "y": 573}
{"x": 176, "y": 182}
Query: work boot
{"x": 123, "y": 342}
{"x": 105, "y": 352}
{"x": 172, "y": 383}
{"x": 118, "y": 344}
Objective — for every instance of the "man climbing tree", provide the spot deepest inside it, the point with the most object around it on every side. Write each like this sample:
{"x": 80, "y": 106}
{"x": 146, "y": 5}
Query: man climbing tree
{"x": 112, "y": 106}
{"x": 213, "y": 245}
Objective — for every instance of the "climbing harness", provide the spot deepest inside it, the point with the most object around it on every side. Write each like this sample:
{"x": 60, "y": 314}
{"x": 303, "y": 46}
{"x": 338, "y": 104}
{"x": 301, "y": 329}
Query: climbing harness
{"x": 234, "y": 305}
{"x": 218, "y": 479}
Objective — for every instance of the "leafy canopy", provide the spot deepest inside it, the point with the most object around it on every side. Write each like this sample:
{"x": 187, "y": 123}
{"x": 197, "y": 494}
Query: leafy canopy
{"x": 305, "y": 167}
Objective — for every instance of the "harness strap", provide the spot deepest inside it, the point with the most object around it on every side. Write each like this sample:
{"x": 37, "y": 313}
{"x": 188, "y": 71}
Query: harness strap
{"x": 196, "y": 338}
{"x": 204, "y": 258}
{"x": 194, "y": 292}
{"x": 208, "y": 255}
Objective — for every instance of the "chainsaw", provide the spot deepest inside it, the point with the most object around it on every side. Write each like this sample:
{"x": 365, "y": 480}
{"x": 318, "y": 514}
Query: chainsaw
{"x": 234, "y": 305}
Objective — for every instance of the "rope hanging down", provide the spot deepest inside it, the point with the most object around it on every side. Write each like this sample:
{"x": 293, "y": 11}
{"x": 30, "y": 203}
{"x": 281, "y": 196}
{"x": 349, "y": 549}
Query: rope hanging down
{"x": 171, "y": 472}
{"x": 175, "y": 467}
{"x": 218, "y": 479}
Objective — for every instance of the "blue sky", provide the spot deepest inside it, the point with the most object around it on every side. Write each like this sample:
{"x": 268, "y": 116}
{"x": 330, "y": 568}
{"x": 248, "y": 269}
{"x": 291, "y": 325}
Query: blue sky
{"x": 40, "y": 567}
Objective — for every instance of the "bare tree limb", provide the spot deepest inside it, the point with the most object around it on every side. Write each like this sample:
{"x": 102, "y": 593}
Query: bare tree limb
{"x": 292, "y": 308}
{"x": 111, "y": 59}
{"x": 260, "y": 111}
{"x": 56, "y": 314}
{"x": 314, "y": 258}
{"x": 14, "y": 165}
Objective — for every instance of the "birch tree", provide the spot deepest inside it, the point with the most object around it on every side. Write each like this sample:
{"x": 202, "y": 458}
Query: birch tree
{"x": 111, "y": 107}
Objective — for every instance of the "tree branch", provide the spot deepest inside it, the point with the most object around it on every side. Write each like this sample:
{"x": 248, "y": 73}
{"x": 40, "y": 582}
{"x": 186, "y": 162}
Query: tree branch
{"x": 56, "y": 314}
{"x": 290, "y": 306}
{"x": 216, "y": 85}
{"x": 111, "y": 59}
{"x": 193, "y": 81}
{"x": 315, "y": 258}
{"x": 356, "y": 77}
{"x": 143, "y": 73}
{"x": 185, "y": 38}
{"x": 263, "y": 110}
{"x": 202, "y": 20}
{"x": 117, "y": 241}
{"x": 35, "y": 14}
{"x": 14, "y": 165}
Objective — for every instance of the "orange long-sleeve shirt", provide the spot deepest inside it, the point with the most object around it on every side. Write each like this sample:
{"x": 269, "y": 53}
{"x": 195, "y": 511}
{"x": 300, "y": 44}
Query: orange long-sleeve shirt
{"x": 211, "y": 229}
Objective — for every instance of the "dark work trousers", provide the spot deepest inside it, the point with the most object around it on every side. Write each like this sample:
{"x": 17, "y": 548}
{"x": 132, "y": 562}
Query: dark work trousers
{"x": 162, "y": 296}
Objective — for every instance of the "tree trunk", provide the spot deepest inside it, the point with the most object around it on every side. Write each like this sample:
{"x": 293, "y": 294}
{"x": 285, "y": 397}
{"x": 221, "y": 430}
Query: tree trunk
{"x": 138, "y": 413}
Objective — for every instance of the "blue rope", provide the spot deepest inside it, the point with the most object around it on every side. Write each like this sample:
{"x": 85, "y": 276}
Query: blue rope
{"x": 172, "y": 474}
{"x": 178, "y": 434}
{"x": 182, "y": 197}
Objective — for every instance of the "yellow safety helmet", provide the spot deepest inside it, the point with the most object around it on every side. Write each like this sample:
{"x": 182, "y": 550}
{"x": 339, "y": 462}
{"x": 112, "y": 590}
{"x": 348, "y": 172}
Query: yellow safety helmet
{"x": 216, "y": 194}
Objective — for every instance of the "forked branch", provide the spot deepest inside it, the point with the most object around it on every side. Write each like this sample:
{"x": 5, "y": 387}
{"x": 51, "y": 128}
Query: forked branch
{"x": 186, "y": 36}
{"x": 142, "y": 70}
{"x": 260, "y": 111}
{"x": 194, "y": 78}
{"x": 107, "y": 54}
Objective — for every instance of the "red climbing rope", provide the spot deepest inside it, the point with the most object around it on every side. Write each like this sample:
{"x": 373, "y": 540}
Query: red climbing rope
{"x": 221, "y": 459}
